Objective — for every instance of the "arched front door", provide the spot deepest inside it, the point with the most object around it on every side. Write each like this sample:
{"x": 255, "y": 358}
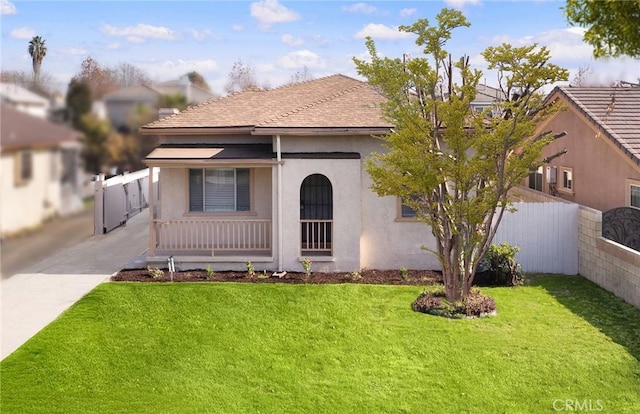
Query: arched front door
{"x": 316, "y": 215}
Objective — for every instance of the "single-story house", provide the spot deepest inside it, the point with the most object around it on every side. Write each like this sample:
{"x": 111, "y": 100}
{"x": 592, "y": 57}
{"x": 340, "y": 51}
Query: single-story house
{"x": 41, "y": 172}
{"x": 601, "y": 168}
{"x": 276, "y": 176}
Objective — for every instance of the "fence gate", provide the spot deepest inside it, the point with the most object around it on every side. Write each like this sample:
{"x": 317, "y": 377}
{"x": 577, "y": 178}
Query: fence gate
{"x": 119, "y": 198}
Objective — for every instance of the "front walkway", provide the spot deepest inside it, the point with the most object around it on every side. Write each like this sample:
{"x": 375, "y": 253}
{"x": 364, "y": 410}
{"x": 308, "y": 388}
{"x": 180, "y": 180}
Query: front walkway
{"x": 33, "y": 299}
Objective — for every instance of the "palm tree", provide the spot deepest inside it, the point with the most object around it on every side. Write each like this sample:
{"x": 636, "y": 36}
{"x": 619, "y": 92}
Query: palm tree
{"x": 38, "y": 51}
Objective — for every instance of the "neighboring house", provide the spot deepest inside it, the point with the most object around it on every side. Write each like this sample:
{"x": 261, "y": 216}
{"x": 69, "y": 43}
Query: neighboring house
{"x": 485, "y": 97}
{"x": 274, "y": 176}
{"x": 40, "y": 172}
{"x": 601, "y": 168}
{"x": 24, "y": 100}
{"x": 120, "y": 105}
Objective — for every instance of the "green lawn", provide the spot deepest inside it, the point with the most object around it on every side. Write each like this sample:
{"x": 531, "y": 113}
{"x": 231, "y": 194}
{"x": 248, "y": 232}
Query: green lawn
{"x": 209, "y": 347}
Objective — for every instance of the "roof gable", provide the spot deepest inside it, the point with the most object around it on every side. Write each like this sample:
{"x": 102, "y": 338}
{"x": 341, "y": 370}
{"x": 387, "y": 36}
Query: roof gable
{"x": 614, "y": 110}
{"x": 329, "y": 102}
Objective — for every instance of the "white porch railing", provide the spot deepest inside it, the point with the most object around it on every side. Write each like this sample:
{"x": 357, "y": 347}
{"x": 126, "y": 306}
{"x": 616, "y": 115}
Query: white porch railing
{"x": 201, "y": 236}
{"x": 316, "y": 236}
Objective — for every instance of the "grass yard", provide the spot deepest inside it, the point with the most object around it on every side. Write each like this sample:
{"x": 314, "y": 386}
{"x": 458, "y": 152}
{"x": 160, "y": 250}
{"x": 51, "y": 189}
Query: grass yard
{"x": 244, "y": 348}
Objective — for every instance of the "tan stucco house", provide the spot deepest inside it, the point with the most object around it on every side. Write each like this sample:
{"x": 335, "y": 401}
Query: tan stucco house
{"x": 601, "y": 168}
{"x": 274, "y": 176}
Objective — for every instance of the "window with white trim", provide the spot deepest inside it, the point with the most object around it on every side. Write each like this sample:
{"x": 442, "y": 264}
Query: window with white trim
{"x": 567, "y": 179}
{"x": 634, "y": 191}
{"x": 535, "y": 179}
{"x": 219, "y": 190}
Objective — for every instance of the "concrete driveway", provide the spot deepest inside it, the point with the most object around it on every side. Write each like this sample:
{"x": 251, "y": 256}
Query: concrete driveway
{"x": 34, "y": 298}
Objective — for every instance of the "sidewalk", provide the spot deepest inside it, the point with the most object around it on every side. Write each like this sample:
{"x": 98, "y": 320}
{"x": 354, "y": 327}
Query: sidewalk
{"x": 34, "y": 298}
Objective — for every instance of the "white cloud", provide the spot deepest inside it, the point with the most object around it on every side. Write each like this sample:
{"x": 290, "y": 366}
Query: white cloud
{"x": 172, "y": 69}
{"x": 380, "y": 31}
{"x": 114, "y": 46}
{"x": 203, "y": 35}
{"x": 564, "y": 44}
{"x": 23, "y": 33}
{"x": 268, "y": 12}
{"x": 300, "y": 59}
{"x": 6, "y": 7}
{"x": 237, "y": 27}
{"x": 359, "y": 8}
{"x": 459, "y": 4}
{"x": 289, "y": 40}
{"x": 73, "y": 51}
{"x": 408, "y": 12}
{"x": 140, "y": 33}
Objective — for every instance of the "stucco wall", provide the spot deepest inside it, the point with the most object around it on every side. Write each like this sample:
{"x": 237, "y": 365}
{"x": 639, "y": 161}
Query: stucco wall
{"x": 174, "y": 194}
{"x": 27, "y": 205}
{"x": 600, "y": 170}
{"x": 384, "y": 242}
{"x": 344, "y": 176}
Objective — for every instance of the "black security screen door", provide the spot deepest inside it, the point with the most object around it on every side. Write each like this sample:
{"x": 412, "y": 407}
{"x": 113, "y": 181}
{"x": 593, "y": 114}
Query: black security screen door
{"x": 316, "y": 213}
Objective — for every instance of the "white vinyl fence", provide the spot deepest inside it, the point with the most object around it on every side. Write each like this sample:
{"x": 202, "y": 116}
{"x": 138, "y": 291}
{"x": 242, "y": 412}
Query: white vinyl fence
{"x": 547, "y": 235}
{"x": 120, "y": 198}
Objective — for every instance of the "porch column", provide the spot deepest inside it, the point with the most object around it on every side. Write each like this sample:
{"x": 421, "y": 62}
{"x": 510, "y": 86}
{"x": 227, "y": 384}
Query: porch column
{"x": 152, "y": 227}
{"x": 279, "y": 159}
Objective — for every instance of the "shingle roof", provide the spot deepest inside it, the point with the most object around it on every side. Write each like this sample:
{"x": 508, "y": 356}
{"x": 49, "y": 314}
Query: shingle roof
{"x": 335, "y": 101}
{"x": 20, "y": 131}
{"x": 614, "y": 109}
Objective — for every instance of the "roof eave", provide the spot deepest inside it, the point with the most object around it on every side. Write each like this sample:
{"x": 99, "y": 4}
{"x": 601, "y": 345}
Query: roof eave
{"x": 310, "y": 131}
{"x": 196, "y": 130}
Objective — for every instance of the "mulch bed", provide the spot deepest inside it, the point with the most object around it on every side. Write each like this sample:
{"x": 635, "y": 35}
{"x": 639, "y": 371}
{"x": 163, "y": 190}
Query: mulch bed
{"x": 378, "y": 277}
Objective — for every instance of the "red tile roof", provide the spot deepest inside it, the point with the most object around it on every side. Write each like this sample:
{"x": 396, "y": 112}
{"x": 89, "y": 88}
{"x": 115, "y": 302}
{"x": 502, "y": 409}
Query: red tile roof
{"x": 335, "y": 101}
{"x": 23, "y": 131}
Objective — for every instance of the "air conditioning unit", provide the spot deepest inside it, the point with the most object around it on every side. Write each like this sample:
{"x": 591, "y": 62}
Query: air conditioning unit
{"x": 552, "y": 175}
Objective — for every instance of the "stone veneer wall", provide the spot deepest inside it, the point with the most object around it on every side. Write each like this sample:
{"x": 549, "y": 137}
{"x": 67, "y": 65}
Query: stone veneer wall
{"x": 612, "y": 266}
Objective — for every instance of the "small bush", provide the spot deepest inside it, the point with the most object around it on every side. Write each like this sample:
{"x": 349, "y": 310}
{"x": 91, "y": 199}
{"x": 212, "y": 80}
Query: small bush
{"x": 210, "y": 273}
{"x": 251, "y": 271}
{"x": 499, "y": 267}
{"x": 155, "y": 272}
{"x": 355, "y": 276}
{"x": 404, "y": 273}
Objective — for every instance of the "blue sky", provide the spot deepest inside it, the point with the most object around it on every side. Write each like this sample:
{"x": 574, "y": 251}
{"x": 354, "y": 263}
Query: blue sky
{"x": 276, "y": 38}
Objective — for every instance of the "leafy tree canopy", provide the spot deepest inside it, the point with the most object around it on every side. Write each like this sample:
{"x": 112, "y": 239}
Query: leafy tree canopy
{"x": 454, "y": 167}
{"x": 613, "y": 26}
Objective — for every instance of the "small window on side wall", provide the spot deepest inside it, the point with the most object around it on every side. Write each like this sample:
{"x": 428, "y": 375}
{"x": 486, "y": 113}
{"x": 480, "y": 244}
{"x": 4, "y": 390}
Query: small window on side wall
{"x": 23, "y": 167}
{"x": 634, "y": 195}
{"x": 405, "y": 212}
{"x": 567, "y": 179}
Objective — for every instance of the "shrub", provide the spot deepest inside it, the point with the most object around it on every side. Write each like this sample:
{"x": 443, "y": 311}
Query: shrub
{"x": 499, "y": 266}
{"x": 404, "y": 273}
{"x": 251, "y": 271}
{"x": 210, "y": 273}
{"x": 155, "y": 272}
{"x": 355, "y": 276}
{"x": 477, "y": 304}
